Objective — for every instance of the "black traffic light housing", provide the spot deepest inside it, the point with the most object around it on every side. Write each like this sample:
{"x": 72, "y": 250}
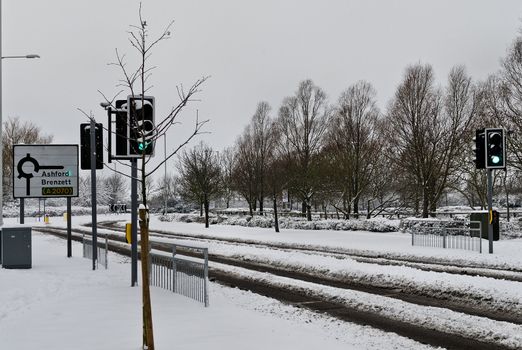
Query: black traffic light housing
{"x": 85, "y": 147}
{"x": 121, "y": 128}
{"x": 495, "y": 148}
{"x": 141, "y": 127}
{"x": 480, "y": 148}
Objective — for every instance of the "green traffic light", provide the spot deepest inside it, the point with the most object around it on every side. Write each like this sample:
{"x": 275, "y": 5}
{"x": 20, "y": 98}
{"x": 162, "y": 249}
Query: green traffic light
{"x": 143, "y": 145}
{"x": 495, "y": 159}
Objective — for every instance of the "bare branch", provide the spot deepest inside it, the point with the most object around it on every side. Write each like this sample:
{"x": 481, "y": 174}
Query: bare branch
{"x": 197, "y": 131}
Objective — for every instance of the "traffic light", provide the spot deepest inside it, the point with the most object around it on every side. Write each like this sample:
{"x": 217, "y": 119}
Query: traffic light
{"x": 142, "y": 131}
{"x": 121, "y": 128}
{"x": 495, "y": 148}
{"x": 85, "y": 148}
{"x": 480, "y": 150}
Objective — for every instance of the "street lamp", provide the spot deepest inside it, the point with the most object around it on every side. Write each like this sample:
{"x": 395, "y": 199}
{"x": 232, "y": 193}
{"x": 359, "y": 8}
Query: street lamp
{"x": 32, "y": 55}
{"x": 1, "y": 121}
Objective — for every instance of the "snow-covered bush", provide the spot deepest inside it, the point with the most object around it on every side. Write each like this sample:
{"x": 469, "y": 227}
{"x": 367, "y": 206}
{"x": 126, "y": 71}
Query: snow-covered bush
{"x": 375, "y": 225}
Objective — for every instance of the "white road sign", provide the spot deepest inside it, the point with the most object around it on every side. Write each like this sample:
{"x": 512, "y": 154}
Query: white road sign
{"x": 42, "y": 171}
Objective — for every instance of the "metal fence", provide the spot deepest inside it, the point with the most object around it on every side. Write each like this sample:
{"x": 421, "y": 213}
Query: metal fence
{"x": 467, "y": 237}
{"x": 185, "y": 276}
{"x": 102, "y": 250}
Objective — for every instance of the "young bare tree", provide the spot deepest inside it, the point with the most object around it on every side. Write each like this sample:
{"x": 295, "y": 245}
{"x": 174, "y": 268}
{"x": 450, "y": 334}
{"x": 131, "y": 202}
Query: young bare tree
{"x": 135, "y": 82}
{"x": 16, "y": 131}
{"x": 200, "y": 174}
{"x": 303, "y": 119}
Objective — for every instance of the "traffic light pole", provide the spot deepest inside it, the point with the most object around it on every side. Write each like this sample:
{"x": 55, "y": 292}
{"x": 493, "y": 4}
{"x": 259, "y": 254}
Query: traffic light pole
{"x": 134, "y": 222}
{"x": 93, "y": 194}
{"x": 490, "y": 209}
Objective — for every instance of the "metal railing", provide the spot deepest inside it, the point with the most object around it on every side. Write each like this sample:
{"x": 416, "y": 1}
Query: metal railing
{"x": 466, "y": 238}
{"x": 102, "y": 250}
{"x": 185, "y": 276}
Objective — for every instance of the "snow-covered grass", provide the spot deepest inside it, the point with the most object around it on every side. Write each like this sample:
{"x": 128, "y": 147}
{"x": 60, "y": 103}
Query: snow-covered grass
{"x": 331, "y": 333}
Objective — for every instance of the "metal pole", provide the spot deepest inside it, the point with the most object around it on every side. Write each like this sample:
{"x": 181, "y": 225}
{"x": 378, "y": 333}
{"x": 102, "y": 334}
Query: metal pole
{"x": 22, "y": 210}
{"x": 1, "y": 124}
{"x": 165, "y": 150}
{"x": 134, "y": 222}
{"x": 69, "y": 233}
{"x": 205, "y": 276}
{"x": 490, "y": 209}
{"x": 93, "y": 195}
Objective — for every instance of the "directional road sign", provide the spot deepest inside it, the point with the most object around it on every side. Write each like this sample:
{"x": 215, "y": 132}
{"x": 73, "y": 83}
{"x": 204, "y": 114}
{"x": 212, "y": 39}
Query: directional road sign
{"x": 43, "y": 171}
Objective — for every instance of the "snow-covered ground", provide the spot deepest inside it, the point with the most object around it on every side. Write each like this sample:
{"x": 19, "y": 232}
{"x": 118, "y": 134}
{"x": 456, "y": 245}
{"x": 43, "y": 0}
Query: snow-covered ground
{"x": 62, "y": 304}
{"x": 62, "y": 284}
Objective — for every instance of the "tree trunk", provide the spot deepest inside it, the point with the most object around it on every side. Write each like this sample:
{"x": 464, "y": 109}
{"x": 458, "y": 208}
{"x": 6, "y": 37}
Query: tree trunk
{"x": 250, "y": 210}
{"x": 303, "y": 208}
{"x": 356, "y": 207}
{"x": 148, "y": 336}
{"x": 425, "y": 204}
{"x": 308, "y": 212}
{"x": 276, "y": 220}
{"x": 201, "y": 208}
{"x": 207, "y": 202}
{"x": 261, "y": 206}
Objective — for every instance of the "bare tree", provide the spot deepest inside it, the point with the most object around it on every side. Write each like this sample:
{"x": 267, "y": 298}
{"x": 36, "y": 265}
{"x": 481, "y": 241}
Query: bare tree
{"x": 263, "y": 147}
{"x": 166, "y": 189}
{"x": 16, "y": 131}
{"x": 459, "y": 111}
{"x": 415, "y": 129}
{"x": 303, "y": 119}
{"x": 428, "y": 130}
{"x": 505, "y": 102}
{"x": 355, "y": 142}
{"x": 200, "y": 174}
{"x": 116, "y": 186}
{"x": 244, "y": 171}
{"x": 85, "y": 190}
{"x": 227, "y": 161}
{"x": 135, "y": 82}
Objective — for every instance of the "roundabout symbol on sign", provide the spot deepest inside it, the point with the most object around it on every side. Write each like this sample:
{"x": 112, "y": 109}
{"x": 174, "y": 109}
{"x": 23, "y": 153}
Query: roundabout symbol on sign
{"x": 36, "y": 168}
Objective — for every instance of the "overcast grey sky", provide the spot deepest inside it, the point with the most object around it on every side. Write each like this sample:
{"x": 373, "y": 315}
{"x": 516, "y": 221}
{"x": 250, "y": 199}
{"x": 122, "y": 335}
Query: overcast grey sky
{"x": 254, "y": 51}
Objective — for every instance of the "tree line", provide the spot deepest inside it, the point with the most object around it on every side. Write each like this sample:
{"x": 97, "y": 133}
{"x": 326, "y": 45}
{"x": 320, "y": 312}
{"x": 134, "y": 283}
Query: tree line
{"x": 349, "y": 154}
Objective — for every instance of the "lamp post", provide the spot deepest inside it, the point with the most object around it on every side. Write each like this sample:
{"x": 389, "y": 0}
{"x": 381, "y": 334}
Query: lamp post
{"x": 165, "y": 183}
{"x": 1, "y": 121}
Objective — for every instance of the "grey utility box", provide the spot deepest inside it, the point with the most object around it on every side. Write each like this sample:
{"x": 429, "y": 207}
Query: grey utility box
{"x": 15, "y": 247}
